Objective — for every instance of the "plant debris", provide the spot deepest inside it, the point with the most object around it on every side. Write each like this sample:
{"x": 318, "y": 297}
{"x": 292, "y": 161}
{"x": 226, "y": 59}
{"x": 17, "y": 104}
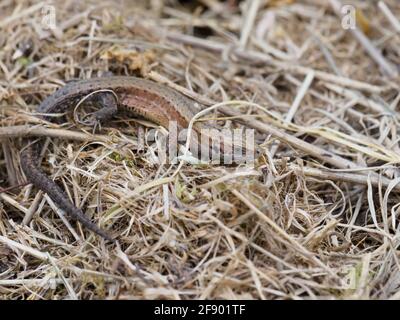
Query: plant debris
{"x": 317, "y": 216}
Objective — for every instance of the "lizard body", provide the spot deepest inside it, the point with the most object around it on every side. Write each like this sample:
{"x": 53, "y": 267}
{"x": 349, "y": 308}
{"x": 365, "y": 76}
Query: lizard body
{"x": 142, "y": 97}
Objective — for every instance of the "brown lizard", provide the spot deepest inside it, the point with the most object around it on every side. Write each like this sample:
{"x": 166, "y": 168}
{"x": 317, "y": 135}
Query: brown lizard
{"x": 141, "y": 97}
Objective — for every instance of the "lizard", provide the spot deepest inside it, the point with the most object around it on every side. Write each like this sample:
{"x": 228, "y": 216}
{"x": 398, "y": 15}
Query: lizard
{"x": 138, "y": 96}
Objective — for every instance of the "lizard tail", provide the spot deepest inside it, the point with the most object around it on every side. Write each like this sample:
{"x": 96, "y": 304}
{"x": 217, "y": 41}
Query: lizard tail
{"x": 29, "y": 161}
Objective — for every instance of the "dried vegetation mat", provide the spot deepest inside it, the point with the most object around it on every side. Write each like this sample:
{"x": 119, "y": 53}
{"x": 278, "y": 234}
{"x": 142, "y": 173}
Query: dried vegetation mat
{"x": 317, "y": 216}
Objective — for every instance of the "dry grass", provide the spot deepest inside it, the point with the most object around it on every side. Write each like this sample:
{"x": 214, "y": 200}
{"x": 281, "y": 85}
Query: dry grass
{"x": 319, "y": 208}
